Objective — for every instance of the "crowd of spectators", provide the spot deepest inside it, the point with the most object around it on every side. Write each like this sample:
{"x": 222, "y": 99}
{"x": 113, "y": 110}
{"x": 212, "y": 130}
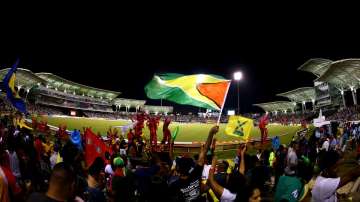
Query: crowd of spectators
{"x": 351, "y": 113}
{"x": 37, "y": 166}
{"x": 291, "y": 118}
{"x": 44, "y": 110}
{"x": 69, "y": 95}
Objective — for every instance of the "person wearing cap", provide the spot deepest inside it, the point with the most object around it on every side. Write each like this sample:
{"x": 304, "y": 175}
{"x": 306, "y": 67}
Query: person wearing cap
{"x": 289, "y": 187}
{"x": 120, "y": 184}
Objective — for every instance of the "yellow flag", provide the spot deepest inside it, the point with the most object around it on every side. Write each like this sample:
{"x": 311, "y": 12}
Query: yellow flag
{"x": 21, "y": 123}
{"x": 240, "y": 127}
{"x": 59, "y": 159}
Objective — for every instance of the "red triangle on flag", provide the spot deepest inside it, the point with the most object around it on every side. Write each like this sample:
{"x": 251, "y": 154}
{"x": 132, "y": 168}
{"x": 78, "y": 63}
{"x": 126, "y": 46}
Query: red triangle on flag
{"x": 214, "y": 91}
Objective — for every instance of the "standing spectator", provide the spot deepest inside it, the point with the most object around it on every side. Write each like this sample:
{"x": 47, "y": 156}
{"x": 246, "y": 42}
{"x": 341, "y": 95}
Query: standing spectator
{"x": 291, "y": 158}
{"x": 54, "y": 157}
{"x": 187, "y": 187}
{"x": 14, "y": 162}
{"x": 61, "y": 186}
{"x": 289, "y": 187}
{"x": 328, "y": 181}
{"x": 236, "y": 190}
{"x": 333, "y": 142}
{"x": 95, "y": 181}
{"x": 120, "y": 185}
{"x": 280, "y": 162}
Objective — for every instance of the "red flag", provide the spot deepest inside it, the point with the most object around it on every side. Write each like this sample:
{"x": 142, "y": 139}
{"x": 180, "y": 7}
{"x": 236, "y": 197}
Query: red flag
{"x": 94, "y": 147}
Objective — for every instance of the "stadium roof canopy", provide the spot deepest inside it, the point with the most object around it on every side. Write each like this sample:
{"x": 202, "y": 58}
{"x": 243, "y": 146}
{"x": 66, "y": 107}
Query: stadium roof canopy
{"x": 158, "y": 109}
{"x": 343, "y": 74}
{"x": 317, "y": 66}
{"x": 276, "y": 106}
{"x": 24, "y": 78}
{"x": 54, "y": 81}
{"x": 304, "y": 94}
{"x": 128, "y": 102}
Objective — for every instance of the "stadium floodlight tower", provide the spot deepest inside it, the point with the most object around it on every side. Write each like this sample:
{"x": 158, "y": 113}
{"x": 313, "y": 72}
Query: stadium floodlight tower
{"x": 237, "y": 77}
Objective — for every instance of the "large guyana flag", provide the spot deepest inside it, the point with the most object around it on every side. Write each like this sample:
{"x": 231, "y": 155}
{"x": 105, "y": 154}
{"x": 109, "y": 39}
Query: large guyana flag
{"x": 240, "y": 127}
{"x": 200, "y": 90}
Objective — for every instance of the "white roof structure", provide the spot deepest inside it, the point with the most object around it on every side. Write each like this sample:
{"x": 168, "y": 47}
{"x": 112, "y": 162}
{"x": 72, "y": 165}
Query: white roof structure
{"x": 317, "y": 66}
{"x": 158, "y": 109}
{"x": 62, "y": 84}
{"x": 128, "y": 102}
{"x": 343, "y": 74}
{"x": 304, "y": 94}
{"x": 276, "y": 106}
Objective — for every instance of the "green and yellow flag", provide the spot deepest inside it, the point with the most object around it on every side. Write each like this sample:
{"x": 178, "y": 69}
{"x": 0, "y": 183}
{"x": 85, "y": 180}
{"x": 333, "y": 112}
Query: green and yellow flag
{"x": 240, "y": 127}
{"x": 200, "y": 90}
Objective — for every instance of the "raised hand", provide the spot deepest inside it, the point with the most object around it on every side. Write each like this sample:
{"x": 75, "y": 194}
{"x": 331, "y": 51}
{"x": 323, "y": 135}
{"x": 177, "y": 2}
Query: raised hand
{"x": 214, "y": 129}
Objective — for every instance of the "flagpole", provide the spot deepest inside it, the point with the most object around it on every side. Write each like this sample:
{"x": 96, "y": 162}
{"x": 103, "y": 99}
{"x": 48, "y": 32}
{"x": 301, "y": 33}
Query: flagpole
{"x": 222, "y": 107}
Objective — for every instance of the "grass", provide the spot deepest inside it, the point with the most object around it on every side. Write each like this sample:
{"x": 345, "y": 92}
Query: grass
{"x": 188, "y": 132}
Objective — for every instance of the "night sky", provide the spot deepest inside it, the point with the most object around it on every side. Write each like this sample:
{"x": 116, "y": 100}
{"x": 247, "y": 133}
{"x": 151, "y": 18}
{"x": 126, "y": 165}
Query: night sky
{"x": 110, "y": 51}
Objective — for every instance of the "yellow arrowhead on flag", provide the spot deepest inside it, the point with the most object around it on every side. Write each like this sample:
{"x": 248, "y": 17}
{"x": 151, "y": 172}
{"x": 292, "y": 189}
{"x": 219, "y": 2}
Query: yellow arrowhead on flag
{"x": 240, "y": 127}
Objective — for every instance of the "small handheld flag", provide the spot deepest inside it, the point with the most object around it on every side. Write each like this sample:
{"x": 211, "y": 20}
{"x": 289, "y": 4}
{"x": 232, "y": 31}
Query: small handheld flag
{"x": 240, "y": 127}
{"x": 21, "y": 123}
{"x": 175, "y": 133}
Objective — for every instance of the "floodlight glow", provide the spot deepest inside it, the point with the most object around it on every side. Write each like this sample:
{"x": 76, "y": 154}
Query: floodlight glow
{"x": 238, "y": 76}
{"x": 200, "y": 78}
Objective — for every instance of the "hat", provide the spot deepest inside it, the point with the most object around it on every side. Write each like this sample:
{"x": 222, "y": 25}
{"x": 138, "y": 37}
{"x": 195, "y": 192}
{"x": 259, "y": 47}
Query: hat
{"x": 118, "y": 162}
